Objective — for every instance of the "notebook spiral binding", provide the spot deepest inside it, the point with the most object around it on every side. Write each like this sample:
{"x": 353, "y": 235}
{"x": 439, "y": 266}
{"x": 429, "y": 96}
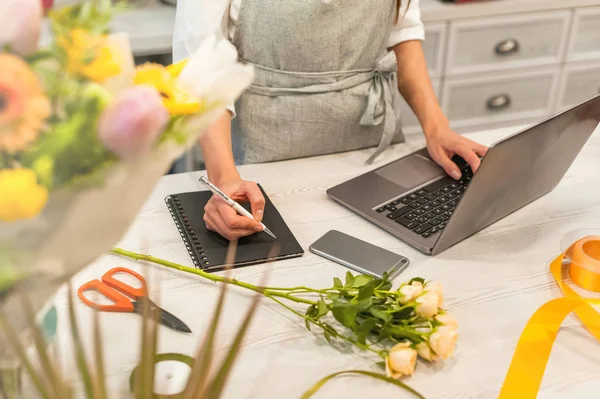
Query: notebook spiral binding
{"x": 188, "y": 235}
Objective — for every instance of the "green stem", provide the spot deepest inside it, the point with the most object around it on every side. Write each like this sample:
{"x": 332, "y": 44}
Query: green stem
{"x": 266, "y": 291}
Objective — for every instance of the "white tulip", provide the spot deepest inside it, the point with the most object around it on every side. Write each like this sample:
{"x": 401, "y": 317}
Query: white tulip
{"x": 438, "y": 289}
{"x": 427, "y": 305}
{"x": 447, "y": 319}
{"x": 401, "y": 360}
{"x": 426, "y": 353}
{"x": 443, "y": 341}
{"x": 410, "y": 292}
{"x": 21, "y": 24}
{"x": 214, "y": 74}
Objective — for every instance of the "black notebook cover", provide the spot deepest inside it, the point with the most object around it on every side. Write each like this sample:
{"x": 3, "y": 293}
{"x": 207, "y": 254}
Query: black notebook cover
{"x": 208, "y": 250}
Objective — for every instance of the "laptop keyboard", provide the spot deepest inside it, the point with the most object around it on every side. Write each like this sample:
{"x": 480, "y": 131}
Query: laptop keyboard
{"x": 427, "y": 210}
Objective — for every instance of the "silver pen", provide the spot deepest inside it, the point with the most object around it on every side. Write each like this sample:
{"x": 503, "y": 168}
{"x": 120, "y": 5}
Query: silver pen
{"x": 238, "y": 208}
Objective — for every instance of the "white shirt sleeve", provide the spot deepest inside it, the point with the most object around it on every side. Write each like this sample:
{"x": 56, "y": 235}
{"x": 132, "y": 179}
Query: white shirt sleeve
{"x": 409, "y": 26}
{"x": 196, "y": 21}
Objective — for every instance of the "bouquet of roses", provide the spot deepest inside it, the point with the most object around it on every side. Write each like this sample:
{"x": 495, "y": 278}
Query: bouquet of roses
{"x": 85, "y": 134}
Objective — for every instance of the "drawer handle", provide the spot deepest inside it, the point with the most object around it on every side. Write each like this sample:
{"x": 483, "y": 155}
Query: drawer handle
{"x": 498, "y": 102}
{"x": 508, "y": 46}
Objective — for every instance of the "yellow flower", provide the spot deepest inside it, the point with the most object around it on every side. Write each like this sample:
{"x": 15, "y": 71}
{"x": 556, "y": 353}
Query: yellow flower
{"x": 20, "y": 195}
{"x": 90, "y": 56}
{"x": 175, "y": 69}
{"x": 175, "y": 98}
{"x": 23, "y": 104}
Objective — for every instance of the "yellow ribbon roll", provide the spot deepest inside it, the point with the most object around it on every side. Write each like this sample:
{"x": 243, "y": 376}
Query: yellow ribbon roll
{"x": 529, "y": 361}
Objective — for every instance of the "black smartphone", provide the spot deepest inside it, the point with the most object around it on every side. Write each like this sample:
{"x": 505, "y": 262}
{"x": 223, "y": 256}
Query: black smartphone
{"x": 359, "y": 255}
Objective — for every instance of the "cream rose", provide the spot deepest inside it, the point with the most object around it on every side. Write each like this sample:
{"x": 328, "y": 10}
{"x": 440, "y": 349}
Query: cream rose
{"x": 410, "y": 292}
{"x": 443, "y": 341}
{"x": 401, "y": 360}
{"x": 426, "y": 353}
{"x": 438, "y": 289}
{"x": 427, "y": 304}
{"x": 447, "y": 319}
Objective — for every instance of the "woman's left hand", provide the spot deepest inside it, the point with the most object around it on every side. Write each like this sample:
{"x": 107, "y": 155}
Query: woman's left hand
{"x": 444, "y": 143}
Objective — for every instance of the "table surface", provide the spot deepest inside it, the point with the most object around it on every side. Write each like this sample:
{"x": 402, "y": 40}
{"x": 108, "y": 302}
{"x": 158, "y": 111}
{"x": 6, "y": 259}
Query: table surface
{"x": 494, "y": 281}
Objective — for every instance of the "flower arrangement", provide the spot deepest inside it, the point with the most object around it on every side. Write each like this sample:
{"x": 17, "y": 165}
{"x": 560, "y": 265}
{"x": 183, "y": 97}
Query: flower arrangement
{"x": 85, "y": 134}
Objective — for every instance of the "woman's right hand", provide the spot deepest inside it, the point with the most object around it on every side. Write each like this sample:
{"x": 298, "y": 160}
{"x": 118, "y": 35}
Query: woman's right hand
{"x": 223, "y": 219}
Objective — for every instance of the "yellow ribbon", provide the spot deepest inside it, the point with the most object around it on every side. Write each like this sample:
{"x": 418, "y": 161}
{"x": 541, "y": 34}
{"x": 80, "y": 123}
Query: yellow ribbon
{"x": 529, "y": 361}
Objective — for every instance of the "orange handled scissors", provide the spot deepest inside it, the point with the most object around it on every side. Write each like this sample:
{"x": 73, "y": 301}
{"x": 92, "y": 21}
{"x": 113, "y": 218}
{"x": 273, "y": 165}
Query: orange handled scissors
{"x": 120, "y": 293}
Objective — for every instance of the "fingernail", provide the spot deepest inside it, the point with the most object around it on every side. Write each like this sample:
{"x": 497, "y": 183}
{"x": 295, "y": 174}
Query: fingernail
{"x": 259, "y": 212}
{"x": 455, "y": 174}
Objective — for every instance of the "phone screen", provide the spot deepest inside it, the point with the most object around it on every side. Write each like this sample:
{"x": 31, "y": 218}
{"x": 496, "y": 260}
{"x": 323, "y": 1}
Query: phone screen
{"x": 359, "y": 255}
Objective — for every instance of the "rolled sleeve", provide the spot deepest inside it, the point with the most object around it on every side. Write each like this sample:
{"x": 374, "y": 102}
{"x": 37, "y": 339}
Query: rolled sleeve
{"x": 196, "y": 21}
{"x": 409, "y": 25}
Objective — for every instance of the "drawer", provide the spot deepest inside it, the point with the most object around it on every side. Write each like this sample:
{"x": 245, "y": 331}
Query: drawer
{"x": 433, "y": 48}
{"x": 578, "y": 84}
{"x": 585, "y": 36}
{"x": 410, "y": 123}
{"x": 499, "y": 98}
{"x": 499, "y": 43}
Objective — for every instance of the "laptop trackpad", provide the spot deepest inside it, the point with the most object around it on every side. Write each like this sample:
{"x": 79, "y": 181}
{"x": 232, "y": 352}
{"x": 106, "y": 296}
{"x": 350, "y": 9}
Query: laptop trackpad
{"x": 411, "y": 171}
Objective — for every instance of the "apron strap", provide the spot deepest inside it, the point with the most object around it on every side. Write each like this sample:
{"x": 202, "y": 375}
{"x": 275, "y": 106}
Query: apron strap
{"x": 382, "y": 96}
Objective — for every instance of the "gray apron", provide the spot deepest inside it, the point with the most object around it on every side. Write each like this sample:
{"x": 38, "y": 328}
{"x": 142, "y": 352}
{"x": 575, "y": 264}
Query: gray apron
{"x": 324, "y": 79}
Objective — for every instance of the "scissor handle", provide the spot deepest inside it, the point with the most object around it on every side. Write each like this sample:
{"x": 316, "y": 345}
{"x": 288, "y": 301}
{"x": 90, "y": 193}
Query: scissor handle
{"x": 132, "y": 292}
{"x": 121, "y": 302}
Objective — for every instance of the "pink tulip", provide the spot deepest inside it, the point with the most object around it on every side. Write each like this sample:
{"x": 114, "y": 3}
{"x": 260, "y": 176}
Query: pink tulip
{"x": 131, "y": 125}
{"x": 20, "y": 24}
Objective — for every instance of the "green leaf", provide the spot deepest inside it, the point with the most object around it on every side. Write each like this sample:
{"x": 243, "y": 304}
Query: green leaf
{"x": 323, "y": 309}
{"x": 364, "y": 329}
{"x": 401, "y": 332}
{"x": 385, "y": 286}
{"x": 327, "y": 336}
{"x": 311, "y": 313}
{"x": 381, "y": 364}
{"x": 333, "y": 296}
{"x": 381, "y": 314}
{"x": 367, "y": 290}
{"x": 346, "y": 316}
{"x": 364, "y": 304}
{"x": 337, "y": 283}
{"x": 349, "y": 280}
{"x": 361, "y": 280}
{"x": 417, "y": 279}
{"x": 403, "y": 313}
{"x": 315, "y": 388}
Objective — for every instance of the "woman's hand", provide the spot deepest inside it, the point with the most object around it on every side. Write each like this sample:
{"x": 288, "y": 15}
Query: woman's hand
{"x": 444, "y": 143}
{"x": 223, "y": 219}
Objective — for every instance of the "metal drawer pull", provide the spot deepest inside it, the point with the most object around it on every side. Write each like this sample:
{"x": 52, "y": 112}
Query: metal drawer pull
{"x": 507, "y": 46}
{"x": 498, "y": 102}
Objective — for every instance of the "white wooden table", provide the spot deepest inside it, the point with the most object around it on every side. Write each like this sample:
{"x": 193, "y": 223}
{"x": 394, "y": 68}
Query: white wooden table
{"x": 493, "y": 281}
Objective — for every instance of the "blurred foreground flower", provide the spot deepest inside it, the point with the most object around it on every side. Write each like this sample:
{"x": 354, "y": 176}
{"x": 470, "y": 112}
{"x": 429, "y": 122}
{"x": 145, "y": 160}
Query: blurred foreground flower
{"x": 132, "y": 124}
{"x": 20, "y": 22}
{"x": 90, "y": 56}
{"x": 20, "y": 195}
{"x": 23, "y": 104}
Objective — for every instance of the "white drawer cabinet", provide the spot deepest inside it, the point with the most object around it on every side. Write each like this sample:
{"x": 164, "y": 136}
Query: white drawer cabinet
{"x": 579, "y": 82}
{"x": 500, "y": 43}
{"x": 585, "y": 36}
{"x": 434, "y": 48}
{"x": 500, "y": 98}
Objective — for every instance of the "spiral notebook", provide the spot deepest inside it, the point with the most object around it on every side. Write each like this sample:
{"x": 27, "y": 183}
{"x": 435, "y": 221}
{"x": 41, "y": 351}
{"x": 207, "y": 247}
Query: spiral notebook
{"x": 208, "y": 250}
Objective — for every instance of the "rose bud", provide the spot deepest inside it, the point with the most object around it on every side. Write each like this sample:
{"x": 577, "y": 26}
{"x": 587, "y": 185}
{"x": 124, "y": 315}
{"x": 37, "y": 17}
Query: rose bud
{"x": 401, "y": 360}
{"x": 447, "y": 319}
{"x": 410, "y": 292}
{"x": 443, "y": 341}
{"x": 133, "y": 122}
{"x": 427, "y": 304}
{"x": 437, "y": 288}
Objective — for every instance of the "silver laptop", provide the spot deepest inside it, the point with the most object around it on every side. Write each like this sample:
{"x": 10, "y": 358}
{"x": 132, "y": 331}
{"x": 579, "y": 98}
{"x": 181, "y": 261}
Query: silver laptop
{"x": 413, "y": 199}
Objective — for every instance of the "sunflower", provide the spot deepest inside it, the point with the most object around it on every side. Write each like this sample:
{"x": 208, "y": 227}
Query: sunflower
{"x": 177, "y": 100}
{"x": 90, "y": 56}
{"x": 23, "y": 104}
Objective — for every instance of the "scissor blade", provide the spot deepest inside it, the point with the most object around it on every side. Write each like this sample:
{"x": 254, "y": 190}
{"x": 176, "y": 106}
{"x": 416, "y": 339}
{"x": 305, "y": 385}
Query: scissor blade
{"x": 173, "y": 322}
{"x": 165, "y": 318}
